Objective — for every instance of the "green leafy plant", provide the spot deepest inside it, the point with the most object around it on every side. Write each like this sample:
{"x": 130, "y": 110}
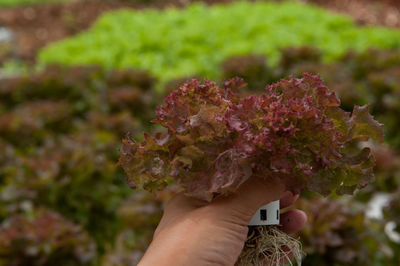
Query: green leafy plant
{"x": 12, "y": 3}
{"x": 197, "y": 39}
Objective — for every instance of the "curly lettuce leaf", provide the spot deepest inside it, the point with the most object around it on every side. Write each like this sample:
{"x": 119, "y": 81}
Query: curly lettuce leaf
{"x": 216, "y": 140}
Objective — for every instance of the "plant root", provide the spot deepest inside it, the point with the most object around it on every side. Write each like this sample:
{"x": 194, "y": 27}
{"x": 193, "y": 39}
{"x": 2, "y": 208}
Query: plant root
{"x": 267, "y": 246}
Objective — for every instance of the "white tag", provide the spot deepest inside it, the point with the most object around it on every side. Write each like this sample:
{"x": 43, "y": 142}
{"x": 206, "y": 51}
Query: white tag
{"x": 267, "y": 215}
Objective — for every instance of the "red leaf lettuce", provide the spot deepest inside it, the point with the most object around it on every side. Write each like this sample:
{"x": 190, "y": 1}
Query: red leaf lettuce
{"x": 295, "y": 131}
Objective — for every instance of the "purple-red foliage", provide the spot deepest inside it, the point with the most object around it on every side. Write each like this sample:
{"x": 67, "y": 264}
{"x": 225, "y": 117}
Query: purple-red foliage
{"x": 295, "y": 131}
{"x": 392, "y": 210}
{"x": 339, "y": 233}
{"x": 43, "y": 238}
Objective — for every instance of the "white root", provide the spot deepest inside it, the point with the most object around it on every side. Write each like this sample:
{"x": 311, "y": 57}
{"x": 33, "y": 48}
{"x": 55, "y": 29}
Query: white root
{"x": 267, "y": 246}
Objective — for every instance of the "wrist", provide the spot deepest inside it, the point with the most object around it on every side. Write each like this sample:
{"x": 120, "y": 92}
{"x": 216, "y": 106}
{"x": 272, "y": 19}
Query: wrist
{"x": 197, "y": 240}
{"x": 176, "y": 244}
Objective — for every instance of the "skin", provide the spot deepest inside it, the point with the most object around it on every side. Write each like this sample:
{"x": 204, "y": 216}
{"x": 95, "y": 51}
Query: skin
{"x": 194, "y": 232}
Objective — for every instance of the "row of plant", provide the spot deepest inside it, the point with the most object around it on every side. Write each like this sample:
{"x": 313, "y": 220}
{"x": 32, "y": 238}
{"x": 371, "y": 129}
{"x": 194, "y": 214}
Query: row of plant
{"x": 17, "y": 3}
{"x": 43, "y": 237}
{"x": 195, "y": 40}
{"x": 59, "y": 136}
{"x": 12, "y": 3}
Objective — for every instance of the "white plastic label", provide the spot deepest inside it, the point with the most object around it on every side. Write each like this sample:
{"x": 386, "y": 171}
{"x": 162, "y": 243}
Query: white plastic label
{"x": 267, "y": 215}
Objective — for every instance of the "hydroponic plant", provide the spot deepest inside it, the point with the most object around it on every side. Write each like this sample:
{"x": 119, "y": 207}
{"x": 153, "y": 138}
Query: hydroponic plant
{"x": 295, "y": 132}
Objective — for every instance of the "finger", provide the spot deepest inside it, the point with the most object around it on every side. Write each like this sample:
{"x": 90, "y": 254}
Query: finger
{"x": 293, "y": 221}
{"x": 288, "y": 199}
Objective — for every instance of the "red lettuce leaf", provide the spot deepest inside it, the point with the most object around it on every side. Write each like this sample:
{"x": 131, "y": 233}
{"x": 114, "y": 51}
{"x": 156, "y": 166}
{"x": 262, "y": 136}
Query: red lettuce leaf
{"x": 217, "y": 140}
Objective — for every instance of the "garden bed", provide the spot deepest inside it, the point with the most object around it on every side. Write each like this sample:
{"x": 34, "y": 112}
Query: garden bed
{"x": 60, "y": 129}
{"x": 40, "y": 24}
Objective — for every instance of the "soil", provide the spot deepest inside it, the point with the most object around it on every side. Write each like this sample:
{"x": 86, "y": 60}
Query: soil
{"x": 366, "y": 12}
{"x": 38, "y": 25}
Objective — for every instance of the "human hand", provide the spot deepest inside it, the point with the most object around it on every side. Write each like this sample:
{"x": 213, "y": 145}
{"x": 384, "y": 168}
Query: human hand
{"x": 193, "y": 232}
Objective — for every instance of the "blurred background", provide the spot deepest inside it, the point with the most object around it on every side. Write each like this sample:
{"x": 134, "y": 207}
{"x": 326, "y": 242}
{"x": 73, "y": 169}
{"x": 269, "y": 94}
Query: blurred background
{"x": 76, "y": 75}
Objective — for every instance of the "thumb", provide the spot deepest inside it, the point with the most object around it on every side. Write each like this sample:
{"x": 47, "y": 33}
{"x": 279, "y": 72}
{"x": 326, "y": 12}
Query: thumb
{"x": 251, "y": 195}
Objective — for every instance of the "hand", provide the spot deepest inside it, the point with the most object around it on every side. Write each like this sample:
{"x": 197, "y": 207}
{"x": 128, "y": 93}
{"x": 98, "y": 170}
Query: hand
{"x": 194, "y": 232}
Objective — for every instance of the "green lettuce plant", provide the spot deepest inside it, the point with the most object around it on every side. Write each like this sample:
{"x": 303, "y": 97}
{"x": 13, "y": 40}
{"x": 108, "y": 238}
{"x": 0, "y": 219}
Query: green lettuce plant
{"x": 173, "y": 43}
